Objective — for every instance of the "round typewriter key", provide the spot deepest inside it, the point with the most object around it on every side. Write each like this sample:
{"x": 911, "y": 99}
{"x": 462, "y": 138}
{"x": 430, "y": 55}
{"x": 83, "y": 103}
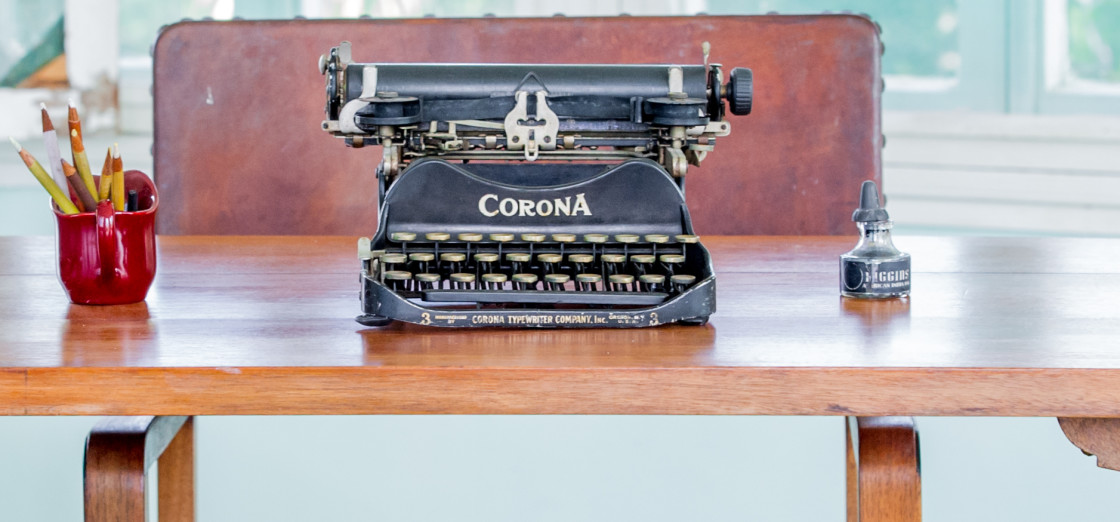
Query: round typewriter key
{"x": 393, "y": 261}
{"x": 612, "y": 264}
{"x": 656, "y": 239}
{"x": 588, "y": 282}
{"x": 461, "y": 281}
{"x": 485, "y": 262}
{"x": 550, "y": 262}
{"x": 621, "y": 282}
{"x": 562, "y": 239}
{"x": 500, "y": 238}
{"x": 468, "y": 238}
{"x": 681, "y": 282}
{"x": 670, "y": 261}
{"x": 556, "y": 281}
{"x": 427, "y": 281}
{"x": 519, "y": 261}
{"x": 525, "y": 281}
{"x": 437, "y": 238}
{"x": 595, "y": 238}
{"x": 581, "y": 262}
{"x": 494, "y": 281}
{"x": 652, "y": 282}
{"x": 626, "y": 240}
{"x": 451, "y": 262}
{"x": 643, "y": 263}
{"x": 532, "y": 239}
{"x": 687, "y": 238}
{"x": 421, "y": 260}
{"x": 403, "y": 238}
{"x": 398, "y": 279}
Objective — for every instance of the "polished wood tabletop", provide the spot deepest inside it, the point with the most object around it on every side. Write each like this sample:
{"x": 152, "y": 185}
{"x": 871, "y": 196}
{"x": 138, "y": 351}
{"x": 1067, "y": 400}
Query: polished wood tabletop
{"x": 264, "y": 325}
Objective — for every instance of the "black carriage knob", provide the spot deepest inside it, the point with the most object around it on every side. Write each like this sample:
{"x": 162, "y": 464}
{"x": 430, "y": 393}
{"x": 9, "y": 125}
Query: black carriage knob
{"x": 740, "y": 90}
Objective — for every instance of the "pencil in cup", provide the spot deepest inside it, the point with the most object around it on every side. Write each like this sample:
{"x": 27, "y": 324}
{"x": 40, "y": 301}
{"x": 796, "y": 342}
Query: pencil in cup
{"x": 78, "y": 149}
{"x": 61, "y": 199}
{"x": 85, "y": 199}
{"x": 106, "y": 177}
{"x": 116, "y": 188}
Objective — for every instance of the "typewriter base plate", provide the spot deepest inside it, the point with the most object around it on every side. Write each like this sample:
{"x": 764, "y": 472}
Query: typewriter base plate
{"x": 382, "y": 305}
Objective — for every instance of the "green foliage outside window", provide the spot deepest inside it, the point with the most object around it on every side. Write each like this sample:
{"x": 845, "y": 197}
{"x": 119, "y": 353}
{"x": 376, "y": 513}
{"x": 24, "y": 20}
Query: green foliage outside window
{"x": 1094, "y": 39}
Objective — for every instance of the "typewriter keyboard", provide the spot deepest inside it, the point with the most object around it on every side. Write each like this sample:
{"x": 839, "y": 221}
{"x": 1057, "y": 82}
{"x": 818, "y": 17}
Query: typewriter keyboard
{"x": 561, "y": 268}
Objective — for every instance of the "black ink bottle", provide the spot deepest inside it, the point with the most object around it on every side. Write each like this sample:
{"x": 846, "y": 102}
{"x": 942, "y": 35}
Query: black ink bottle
{"x": 874, "y": 269}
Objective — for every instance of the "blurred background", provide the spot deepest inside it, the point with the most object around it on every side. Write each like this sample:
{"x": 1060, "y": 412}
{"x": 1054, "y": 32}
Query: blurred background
{"x": 1002, "y": 117}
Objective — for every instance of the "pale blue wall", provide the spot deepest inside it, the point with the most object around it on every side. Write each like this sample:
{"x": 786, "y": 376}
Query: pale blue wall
{"x": 563, "y": 468}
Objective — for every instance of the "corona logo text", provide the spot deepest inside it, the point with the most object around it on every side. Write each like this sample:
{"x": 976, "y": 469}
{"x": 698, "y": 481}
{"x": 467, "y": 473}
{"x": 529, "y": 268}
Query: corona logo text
{"x": 490, "y": 205}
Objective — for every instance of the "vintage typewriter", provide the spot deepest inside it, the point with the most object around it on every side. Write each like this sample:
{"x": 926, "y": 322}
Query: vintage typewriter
{"x": 533, "y": 195}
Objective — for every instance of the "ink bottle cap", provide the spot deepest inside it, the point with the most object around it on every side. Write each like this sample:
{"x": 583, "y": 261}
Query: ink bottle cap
{"x": 874, "y": 269}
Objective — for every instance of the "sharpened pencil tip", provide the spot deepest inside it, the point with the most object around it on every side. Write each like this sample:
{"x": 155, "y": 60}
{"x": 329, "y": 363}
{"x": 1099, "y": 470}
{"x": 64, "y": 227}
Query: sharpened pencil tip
{"x": 116, "y": 151}
{"x": 70, "y": 101}
{"x": 47, "y": 125}
{"x": 15, "y": 143}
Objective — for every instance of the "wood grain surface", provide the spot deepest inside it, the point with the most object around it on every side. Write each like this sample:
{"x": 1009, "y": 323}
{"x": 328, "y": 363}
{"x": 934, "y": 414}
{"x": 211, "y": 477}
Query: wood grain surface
{"x": 1095, "y": 437}
{"x": 884, "y": 476}
{"x": 119, "y": 453}
{"x": 264, "y": 325}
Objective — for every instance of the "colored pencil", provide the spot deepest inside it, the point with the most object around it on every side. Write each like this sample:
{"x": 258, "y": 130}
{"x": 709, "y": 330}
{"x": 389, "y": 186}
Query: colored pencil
{"x": 63, "y": 201}
{"x": 85, "y": 199}
{"x": 78, "y": 149}
{"x": 54, "y": 157}
{"x": 106, "y": 177}
{"x": 116, "y": 190}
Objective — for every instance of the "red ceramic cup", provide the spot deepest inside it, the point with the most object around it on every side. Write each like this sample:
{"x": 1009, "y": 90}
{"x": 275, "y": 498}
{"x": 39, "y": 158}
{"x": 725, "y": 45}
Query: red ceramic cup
{"x": 109, "y": 257}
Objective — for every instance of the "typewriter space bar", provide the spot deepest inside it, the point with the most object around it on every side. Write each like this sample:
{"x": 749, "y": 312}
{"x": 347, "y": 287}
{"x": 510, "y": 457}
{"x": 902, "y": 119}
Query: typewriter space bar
{"x": 544, "y": 297}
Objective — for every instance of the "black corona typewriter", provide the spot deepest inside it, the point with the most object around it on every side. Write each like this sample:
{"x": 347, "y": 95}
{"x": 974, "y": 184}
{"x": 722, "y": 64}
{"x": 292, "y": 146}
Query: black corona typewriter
{"x": 533, "y": 195}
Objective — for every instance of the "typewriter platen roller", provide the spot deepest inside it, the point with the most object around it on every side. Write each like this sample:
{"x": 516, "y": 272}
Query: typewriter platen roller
{"x": 533, "y": 195}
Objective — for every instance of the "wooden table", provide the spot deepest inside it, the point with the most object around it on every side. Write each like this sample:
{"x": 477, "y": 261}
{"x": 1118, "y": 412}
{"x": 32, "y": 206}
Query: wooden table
{"x": 264, "y": 325}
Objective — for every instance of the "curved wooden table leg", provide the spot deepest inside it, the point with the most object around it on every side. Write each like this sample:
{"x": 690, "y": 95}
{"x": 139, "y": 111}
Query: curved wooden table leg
{"x": 884, "y": 471}
{"x": 119, "y": 452}
{"x": 1098, "y": 437}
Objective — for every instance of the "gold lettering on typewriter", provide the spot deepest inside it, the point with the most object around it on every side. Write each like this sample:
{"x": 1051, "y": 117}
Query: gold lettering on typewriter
{"x": 490, "y": 205}
{"x": 537, "y": 319}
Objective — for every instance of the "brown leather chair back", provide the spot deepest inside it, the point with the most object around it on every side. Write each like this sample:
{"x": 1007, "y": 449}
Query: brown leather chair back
{"x": 238, "y": 107}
